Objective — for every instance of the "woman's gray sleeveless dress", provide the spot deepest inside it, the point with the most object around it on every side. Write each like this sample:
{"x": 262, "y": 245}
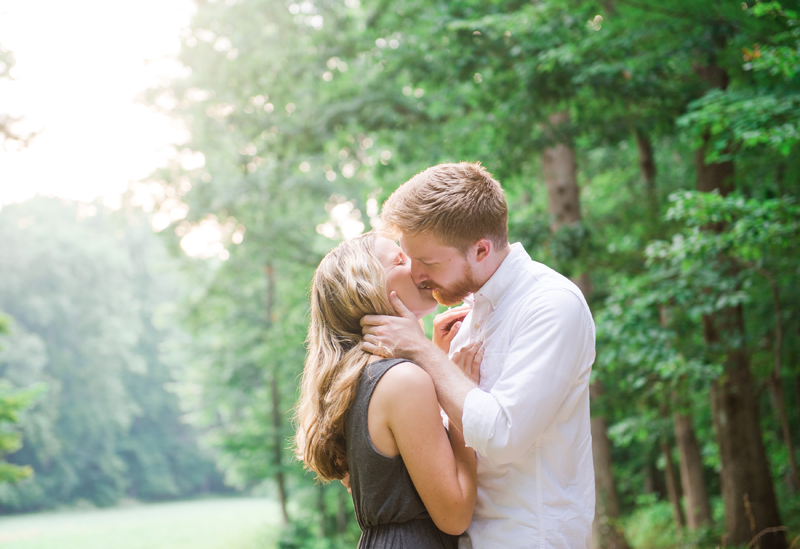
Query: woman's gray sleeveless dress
{"x": 388, "y": 507}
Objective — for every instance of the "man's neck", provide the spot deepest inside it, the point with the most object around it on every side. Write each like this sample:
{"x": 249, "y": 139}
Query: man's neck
{"x": 493, "y": 263}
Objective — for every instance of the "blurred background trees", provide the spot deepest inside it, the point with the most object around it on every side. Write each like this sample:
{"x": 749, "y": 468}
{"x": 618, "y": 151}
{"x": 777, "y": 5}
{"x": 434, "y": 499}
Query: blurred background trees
{"x": 83, "y": 287}
{"x": 649, "y": 150}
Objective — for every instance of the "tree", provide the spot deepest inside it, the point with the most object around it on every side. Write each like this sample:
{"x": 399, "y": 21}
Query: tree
{"x": 84, "y": 326}
{"x": 12, "y": 402}
{"x": 303, "y": 116}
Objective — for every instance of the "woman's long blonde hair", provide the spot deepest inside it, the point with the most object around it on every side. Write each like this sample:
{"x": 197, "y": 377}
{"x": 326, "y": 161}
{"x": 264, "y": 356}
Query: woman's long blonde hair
{"x": 349, "y": 283}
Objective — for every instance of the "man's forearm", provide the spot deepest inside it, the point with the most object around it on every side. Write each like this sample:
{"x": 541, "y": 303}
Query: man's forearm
{"x": 451, "y": 384}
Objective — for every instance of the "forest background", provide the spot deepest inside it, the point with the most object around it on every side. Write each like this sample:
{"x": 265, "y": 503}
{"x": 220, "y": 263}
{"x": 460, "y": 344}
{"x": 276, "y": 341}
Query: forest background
{"x": 648, "y": 150}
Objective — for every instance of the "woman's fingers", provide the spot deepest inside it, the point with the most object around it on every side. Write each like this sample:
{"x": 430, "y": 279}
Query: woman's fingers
{"x": 448, "y": 337}
{"x": 468, "y": 359}
{"x": 476, "y": 365}
{"x": 443, "y": 323}
{"x": 443, "y": 337}
{"x": 469, "y": 356}
{"x": 447, "y": 318}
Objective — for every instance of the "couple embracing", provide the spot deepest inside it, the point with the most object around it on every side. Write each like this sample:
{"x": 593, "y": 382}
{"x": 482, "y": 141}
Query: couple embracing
{"x": 507, "y": 374}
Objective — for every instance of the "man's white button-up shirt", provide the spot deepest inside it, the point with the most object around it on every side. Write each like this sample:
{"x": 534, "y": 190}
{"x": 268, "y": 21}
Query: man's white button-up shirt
{"x": 529, "y": 419}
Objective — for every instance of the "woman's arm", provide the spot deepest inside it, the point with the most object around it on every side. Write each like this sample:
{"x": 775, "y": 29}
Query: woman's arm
{"x": 404, "y": 411}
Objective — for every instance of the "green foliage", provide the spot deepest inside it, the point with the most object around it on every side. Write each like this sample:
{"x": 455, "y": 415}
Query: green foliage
{"x": 78, "y": 282}
{"x": 321, "y": 520}
{"x": 652, "y": 526}
{"x": 745, "y": 119}
{"x": 12, "y": 403}
{"x": 781, "y": 56}
{"x": 299, "y": 112}
{"x": 761, "y": 110}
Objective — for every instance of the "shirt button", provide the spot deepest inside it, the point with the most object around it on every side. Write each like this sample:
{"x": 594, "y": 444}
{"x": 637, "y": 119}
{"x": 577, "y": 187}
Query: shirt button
{"x": 477, "y": 325}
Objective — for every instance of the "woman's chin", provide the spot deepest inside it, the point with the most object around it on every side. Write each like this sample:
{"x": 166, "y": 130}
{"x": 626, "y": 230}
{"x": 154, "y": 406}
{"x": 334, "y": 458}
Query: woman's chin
{"x": 428, "y": 310}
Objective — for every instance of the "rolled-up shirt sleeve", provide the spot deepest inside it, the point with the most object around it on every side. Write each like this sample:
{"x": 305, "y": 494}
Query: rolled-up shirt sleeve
{"x": 549, "y": 358}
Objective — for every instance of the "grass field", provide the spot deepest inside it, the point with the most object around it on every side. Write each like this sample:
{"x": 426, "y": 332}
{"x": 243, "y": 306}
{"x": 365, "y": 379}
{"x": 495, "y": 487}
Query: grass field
{"x": 224, "y": 523}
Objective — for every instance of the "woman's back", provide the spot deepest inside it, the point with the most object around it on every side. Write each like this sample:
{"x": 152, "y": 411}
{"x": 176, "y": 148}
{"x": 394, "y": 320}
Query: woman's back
{"x": 389, "y": 510}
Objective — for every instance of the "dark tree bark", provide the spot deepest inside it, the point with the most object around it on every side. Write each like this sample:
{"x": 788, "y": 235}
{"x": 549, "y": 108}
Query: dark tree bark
{"x": 277, "y": 416}
{"x": 797, "y": 389}
{"x": 698, "y": 509}
{"x": 647, "y": 167}
{"x": 747, "y": 489}
{"x": 323, "y": 516}
{"x": 278, "y": 443}
{"x": 605, "y": 533}
{"x": 560, "y": 175}
{"x": 673, "y": 488}
{"x": 341, "y": 515}
{"x": 775, "y": 382}
{"x": 650, "y": 478}
{"x": 778, "y": 400}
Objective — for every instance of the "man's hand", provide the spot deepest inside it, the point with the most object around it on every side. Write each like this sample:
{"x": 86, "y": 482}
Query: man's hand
{"x": 446, "y": 326}
{"x": 393, "y": 336}
{"x": 403, "y": 337}
{"x": 468, "y": 359}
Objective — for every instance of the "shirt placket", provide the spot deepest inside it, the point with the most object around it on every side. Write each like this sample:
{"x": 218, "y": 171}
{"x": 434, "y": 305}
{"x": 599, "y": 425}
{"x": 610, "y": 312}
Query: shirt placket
{"x": 478, "y": 321}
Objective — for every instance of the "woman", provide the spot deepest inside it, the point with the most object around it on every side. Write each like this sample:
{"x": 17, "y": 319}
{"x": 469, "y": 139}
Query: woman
{"x": 413, "y": 483}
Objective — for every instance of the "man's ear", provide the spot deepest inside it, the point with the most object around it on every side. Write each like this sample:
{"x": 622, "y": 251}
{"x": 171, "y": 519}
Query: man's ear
{"x": 483, "y": 248}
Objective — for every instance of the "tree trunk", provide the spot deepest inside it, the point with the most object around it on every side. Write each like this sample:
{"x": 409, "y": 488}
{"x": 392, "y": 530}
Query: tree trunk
{"x": 605, "y": 533}
{"x": 747, "y": 490}
{"x": 796, "y": 387}
{"x": 698, "y": 510}
{"x": 560, "y": 175}
{"x": 775, "y": 382}
{"x": 323, "y": 516}
{"x": 650, "y": 478}
{"x": 277, "y": 416}
{"x": 341, "y": 515}
{"x": 775, "y": 385}
{"x": 279, "y": 444}
{"x": 673, "y": 488}
{"x": 647, "y": 166}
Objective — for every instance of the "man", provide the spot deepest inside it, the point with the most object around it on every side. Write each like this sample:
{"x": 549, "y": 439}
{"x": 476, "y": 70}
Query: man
{"x": 527, "y": 413}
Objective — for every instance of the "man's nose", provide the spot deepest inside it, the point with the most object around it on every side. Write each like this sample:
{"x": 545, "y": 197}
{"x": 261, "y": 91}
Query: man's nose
{"x": 418, "y": 274}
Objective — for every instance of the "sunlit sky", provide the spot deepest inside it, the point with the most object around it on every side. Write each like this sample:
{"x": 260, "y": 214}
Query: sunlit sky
{"x": 81, "y": 66}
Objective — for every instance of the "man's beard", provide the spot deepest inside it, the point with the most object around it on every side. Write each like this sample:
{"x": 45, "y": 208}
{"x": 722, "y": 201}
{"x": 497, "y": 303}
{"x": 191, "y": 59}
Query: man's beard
{"x": 457, "y": 291}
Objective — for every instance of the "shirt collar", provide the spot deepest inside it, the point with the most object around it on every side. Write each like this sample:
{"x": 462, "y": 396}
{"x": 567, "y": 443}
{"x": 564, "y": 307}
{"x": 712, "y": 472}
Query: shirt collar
{"x": 503, "y": 278}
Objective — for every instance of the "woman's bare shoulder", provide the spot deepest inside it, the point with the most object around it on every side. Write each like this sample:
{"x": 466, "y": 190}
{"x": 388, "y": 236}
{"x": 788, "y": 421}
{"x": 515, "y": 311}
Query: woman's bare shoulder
{"x": 406, "y": 383}
{"x": 407, "y": 375}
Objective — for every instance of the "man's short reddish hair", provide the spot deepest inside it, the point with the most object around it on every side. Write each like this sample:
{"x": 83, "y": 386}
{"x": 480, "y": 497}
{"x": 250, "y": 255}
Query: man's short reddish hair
{"x": 458, "y": 204}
